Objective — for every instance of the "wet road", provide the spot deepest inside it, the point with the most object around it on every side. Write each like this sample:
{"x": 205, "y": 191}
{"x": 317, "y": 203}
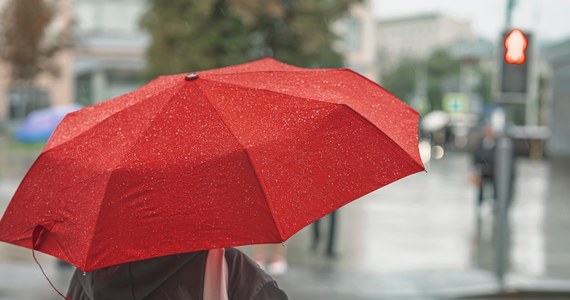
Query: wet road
{"x": 414, "y": 239}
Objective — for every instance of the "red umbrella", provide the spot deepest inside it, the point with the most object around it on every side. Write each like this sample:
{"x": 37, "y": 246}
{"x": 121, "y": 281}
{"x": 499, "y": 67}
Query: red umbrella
{"x": 239, "y": 155}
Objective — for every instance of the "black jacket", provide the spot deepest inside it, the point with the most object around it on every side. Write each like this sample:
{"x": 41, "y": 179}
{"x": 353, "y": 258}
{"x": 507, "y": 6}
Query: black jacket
{"x": 484, "y": 159}
{"x": 174, "y": 277}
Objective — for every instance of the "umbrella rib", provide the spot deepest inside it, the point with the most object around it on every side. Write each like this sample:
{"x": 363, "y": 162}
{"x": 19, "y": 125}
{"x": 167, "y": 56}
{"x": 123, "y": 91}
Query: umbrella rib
{"x": 269, "y": 91}
{"x": 363, "y": 117}
{"x": 300, "y": 97}
{"x": 384, "y": 133}
{"x": 250, "y": 162}
{"x": 232, "y": 69}
{"x": 301, "y": 70}
{"x": 152, "y": 95}
{"x": 26, "y": 238}
{"x": 311, "y": 99}
{"x": 120, "y": 162}
{"x": 379, "y": 86}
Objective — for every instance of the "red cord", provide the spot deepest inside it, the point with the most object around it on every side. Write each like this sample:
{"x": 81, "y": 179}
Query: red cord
{"x": 38, "y": 230}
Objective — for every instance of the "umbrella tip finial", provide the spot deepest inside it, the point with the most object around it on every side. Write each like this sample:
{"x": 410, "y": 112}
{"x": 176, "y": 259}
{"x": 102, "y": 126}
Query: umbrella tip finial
{"x": 191, "y": 76}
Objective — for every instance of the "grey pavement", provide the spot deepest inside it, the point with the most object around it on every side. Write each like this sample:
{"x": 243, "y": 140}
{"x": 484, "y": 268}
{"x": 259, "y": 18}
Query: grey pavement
{"x": 414, "y": 239}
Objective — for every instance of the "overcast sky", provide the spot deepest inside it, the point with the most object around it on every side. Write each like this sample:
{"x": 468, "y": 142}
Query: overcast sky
{"x": 548, "y": 19}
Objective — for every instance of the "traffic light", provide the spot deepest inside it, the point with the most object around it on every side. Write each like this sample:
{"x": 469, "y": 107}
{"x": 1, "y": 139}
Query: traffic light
{"x": 515, "y": 62}
{"x": 515, "y": 47}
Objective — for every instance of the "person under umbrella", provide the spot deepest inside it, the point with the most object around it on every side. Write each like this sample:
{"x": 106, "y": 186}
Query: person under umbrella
{"x": 242, "y": 155}
{"x": 277, "y": 263}
{"x": 330, "y": 252}
{"x": 484, "y": 164}
{"x": 219, "y": 274}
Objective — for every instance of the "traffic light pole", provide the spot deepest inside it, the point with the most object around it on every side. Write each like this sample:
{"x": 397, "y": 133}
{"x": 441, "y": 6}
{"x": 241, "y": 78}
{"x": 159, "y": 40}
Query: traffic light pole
{"x": 503, "y": 180}
{"x": 509, "y": 12}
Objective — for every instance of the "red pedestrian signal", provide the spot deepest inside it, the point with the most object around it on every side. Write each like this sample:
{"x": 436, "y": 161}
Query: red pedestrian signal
{"x": 515, "y": 62}
{"x": 515, "y": 43}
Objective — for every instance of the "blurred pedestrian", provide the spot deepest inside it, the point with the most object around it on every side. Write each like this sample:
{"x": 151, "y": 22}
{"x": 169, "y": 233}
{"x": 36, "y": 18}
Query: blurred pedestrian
{"x": 449, "y": 138}
{"x": 483, "y": 176}
{"x": 330, "y": 252}
{"x": 210, "y": 275}
{"x": 484, "y": 161}
{"x": 277, "y": 263}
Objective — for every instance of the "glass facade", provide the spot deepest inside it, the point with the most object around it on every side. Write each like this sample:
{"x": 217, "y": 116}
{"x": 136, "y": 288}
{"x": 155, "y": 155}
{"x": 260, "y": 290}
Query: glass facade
{"x": 110, "y": 50}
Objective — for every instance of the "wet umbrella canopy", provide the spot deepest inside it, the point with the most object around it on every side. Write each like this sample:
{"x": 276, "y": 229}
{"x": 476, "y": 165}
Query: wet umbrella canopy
{"x": 240, "y": 155}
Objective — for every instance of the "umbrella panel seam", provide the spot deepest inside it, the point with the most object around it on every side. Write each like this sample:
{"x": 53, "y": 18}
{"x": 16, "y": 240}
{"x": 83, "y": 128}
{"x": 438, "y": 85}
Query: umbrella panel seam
{"x": 381, "y": 87}
{"x": 109, "y": 116}
{"x": 250, "y": 162}
{"x": 233, "y": 67}
{"x": 269, "y": 91}
{"x": 110, "y": 174}
{"x": 385, "y": 134}
{"x": 305, "y": 98}
{"x": 301, "y": 70}
{"x": 316, "y": 100}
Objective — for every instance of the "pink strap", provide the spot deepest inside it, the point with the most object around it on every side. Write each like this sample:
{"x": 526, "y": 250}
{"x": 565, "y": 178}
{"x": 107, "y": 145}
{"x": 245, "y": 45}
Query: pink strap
{"x": 216, "y": 276}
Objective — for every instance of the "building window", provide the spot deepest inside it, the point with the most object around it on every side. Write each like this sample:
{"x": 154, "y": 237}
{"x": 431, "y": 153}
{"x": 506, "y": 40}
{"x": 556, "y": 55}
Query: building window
{"x": 120, "y": 82}
{"x": 353, "y": 34}
{"x": 83, "y": 90}
{"x": 23, "y": 101}
{"x": 108, "y": 16}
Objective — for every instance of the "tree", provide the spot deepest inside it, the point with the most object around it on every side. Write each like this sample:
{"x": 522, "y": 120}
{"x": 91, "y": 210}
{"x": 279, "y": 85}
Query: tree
{"x": 196, "y": 35}
{"x": 442, "y": 76}
{"x": 23, "y": 29}
{"x": 193, "y": 35}
{"x": 401, "y": 81}
{"x": 298, "y": 32}
{"x": 29, "y": 44}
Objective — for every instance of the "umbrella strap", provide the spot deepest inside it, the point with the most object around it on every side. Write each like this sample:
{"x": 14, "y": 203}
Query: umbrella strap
{"x": 216, "y": 276}
{"x": 38, "y": 230}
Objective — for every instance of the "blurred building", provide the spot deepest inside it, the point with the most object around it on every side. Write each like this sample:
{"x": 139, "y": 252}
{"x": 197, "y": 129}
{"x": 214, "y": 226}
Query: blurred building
{"x": 418, "y": 36}
{"x": 105, "y": 60}
{"x": 108, "y": 55}
{"x": 109, "y": 50}
{"x": 476, "y": 55}
{"x": 558, "y": 57}
{"x": 358, "y": 35}
{"x": 17, "y": 100}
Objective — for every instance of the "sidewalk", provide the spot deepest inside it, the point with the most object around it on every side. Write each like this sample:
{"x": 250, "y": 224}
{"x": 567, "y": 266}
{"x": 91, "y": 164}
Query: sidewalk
{"x": 417, "y": 239}
{"x": 414, "y": 239}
